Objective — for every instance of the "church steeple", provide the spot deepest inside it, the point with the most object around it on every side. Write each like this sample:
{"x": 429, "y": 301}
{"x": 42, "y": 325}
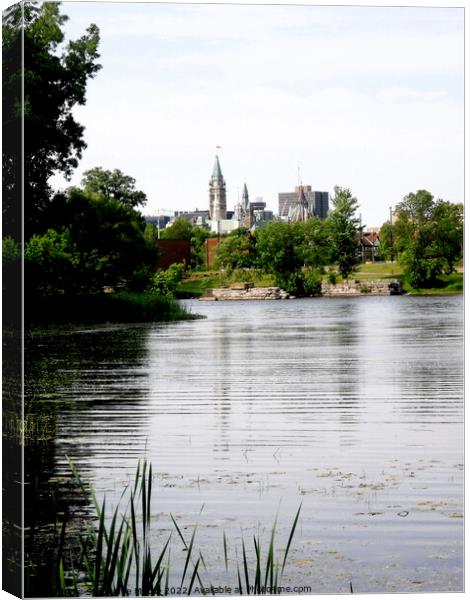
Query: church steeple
{"x": 217, "y": 171}
{"x": 245, "y": 198}
{"x": 217, "y": 194}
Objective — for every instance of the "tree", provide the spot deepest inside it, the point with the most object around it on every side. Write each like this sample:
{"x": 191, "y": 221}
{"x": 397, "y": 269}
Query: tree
{"x": 94, "y": 242}
{"x": 236, "y": 251}
{"x": 180, "y": 229}
{"x": 113, "y": 184}
{"x": 311, "y": 242}
{"x": 55, "y": 82}
{"x": 183, "y": 229}
{"x": 428, "y": 235}
{"x": 343, "y": 226}
{"x": 387, "y": 242}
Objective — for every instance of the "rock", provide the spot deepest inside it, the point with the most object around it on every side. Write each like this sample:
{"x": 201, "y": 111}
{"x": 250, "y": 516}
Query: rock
{"x": 247, "y": 292}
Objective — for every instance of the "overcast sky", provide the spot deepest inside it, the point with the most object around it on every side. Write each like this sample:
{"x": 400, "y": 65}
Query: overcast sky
{"x": 369, "y": 98}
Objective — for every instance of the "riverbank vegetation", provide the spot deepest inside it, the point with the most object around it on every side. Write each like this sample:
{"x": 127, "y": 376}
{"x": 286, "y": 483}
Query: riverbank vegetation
{"x": 87, "y": 256}
{"x": 88, "y": 252}
{"x": 116, "y": 553}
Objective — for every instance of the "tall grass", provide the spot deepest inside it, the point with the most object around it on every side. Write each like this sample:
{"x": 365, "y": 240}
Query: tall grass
{"x": 116, "y": 556}
{"x": 118, "y": 307}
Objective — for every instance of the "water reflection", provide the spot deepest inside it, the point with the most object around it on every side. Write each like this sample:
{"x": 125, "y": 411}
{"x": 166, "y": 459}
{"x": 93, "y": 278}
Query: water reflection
{"x": 335, "y": 402}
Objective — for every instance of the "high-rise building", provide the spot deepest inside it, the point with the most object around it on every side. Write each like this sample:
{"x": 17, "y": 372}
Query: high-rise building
{"x": 217, "y": 194}
{"x": 318, "y": 202}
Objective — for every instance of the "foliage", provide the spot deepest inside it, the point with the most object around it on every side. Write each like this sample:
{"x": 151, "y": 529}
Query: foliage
{"x": 182, "y": 229}
{"x": 276, "y": 249}
{"x": 55, "y": 81}
{"x": 428, "y": 235}
{"x": 311, "y": 242}
{"x": 51, "y": 260}
{"x": 166, "y": 282}
{"x": 113, "y": 184}
{"x": 10, "y": 249}
{"x": 312, "y": 279}
{"x": 118, "y": 307}
{"x": 386, "y": 250}
{"x": 95, "y": 242}
{"x": 285, "y": 249}
{"x": 343, "y": 226}
{"x": 236, "y": 251}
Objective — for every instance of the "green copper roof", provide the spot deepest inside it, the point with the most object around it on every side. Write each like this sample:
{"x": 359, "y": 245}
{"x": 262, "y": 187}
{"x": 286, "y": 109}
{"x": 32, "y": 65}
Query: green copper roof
{"x": 216, "y": 171}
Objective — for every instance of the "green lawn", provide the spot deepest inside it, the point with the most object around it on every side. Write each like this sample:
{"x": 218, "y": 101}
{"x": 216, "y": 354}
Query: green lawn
{"x": 381, "y": 270}
{"x": 448, "y": 284}
{"x": 196, "y": 283}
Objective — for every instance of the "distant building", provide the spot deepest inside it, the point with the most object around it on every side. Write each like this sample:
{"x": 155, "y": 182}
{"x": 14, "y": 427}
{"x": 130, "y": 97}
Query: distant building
{"x": 195, "y": 217}
{"x": 259, "y": 216}
{"x": 173, "y": 251}
{"x": 369, "y": 244}
{"x": 318, "y": 202}
{"x": 300, "y": 210}
{"x": 160, "y": 221}
{"x": 217, "y": 194}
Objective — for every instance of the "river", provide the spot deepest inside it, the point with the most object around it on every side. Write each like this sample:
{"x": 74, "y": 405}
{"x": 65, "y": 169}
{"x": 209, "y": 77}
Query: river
{"x": 352, "y": 407}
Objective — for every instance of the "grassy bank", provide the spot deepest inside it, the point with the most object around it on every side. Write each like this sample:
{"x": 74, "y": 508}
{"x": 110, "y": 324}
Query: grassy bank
{"x": 119, "y": 307}
{"x": 378, "y": 270}
{"x": 446, "y": 284}
{"x": 195, "y": 284}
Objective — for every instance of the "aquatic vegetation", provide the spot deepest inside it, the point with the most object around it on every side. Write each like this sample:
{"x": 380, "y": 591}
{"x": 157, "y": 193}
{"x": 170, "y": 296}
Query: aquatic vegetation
{"x": 114, "y": 554}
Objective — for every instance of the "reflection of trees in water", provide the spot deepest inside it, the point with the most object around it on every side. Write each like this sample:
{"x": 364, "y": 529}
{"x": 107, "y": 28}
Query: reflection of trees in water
{"x": 62, "y": 373}
{"x": 11, "y": 462}
{"x": 431, "y": 388}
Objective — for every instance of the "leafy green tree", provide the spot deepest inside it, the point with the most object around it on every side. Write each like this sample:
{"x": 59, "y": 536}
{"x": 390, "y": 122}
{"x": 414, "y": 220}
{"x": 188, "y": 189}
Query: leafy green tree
{"x": 198, "y": 249}
{"x": 165, "y": 282}
{"x": 343, "y": 225}
{"x": 180, "y": 229}
{"x": 106, "y": 239}
{"x": 183, "y": 229}
{"x": 113, "y": 184}
{"x": 275, "y": 246}
{"x": 311, "y": 242}
{"x": 10, "y": 249}
{"x": 428, "y": 236}
{"x": 55, "y": 80}
{"x": 387, "y": 242}
{"x": 51, "y": 261}
{"x": 236, "y": 251}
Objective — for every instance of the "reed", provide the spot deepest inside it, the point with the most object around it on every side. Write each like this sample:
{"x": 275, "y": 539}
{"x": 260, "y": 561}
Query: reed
{"x": 263, "y": 579}
{"x": 116, "y": 556}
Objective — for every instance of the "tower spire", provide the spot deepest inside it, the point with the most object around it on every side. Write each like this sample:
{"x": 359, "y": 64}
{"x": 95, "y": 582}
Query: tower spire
{"x": 217, "y": 193}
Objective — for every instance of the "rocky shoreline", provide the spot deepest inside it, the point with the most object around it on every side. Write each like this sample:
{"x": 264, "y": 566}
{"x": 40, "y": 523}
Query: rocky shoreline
{"x": 247, "y": 291}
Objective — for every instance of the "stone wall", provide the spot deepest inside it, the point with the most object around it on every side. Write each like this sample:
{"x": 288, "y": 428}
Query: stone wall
{"x": 359, "y": 288}
{"x": 245, "y": 292}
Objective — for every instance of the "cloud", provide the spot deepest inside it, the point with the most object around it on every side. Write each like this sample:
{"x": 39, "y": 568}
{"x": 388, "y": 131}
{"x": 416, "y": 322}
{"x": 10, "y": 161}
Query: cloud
{"x": 370, "y": 99}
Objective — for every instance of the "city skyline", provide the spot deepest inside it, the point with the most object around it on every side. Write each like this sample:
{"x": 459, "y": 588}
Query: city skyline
{"x": 369, "y": 98}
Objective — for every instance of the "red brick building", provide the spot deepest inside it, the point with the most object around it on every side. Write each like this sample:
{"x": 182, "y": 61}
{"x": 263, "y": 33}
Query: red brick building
{"x": 173, "y": 251}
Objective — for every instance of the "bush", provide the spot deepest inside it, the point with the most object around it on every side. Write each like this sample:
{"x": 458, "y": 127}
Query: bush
{"x": 312, "y": 282}
{"x": 331, "y": 277}
{"x": 166, "y": 282}
{"x": 119, "y": 307}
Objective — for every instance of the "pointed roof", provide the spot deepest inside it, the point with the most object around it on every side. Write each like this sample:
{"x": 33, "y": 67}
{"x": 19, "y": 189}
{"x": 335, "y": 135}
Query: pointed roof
{"x": 245, "y": 197}
{"x": 300, "y": 211}
{"x": 216, "y": 171}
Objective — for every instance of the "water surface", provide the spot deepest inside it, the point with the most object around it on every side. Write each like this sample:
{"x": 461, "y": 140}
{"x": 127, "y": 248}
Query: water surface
{"x": 353, "y": 407}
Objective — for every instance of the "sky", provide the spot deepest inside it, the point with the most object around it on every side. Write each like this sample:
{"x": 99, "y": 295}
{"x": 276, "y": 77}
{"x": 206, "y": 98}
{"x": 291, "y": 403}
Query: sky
{"x": 368, "y": 98}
